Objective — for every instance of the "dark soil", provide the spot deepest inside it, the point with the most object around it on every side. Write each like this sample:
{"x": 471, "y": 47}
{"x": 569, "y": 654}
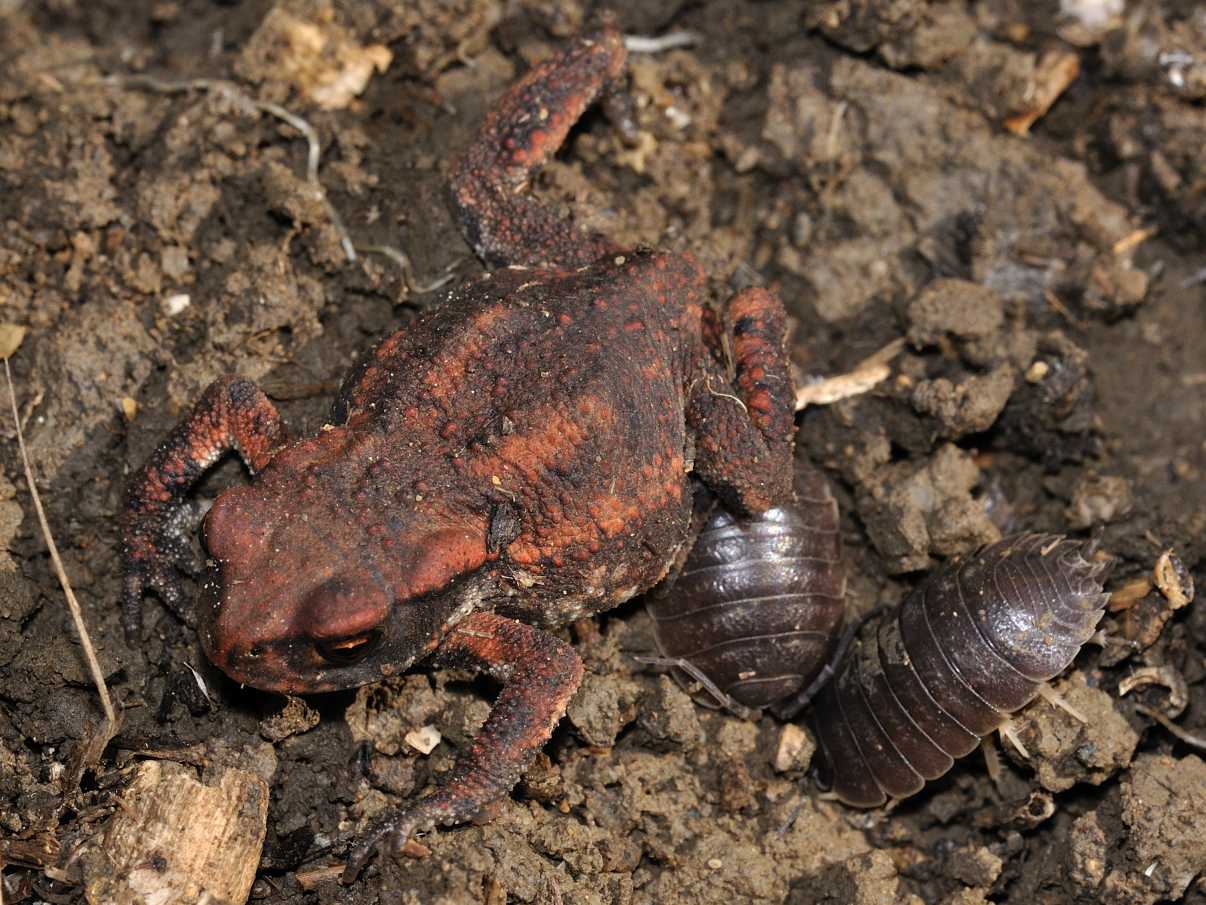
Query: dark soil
{"x": 851, "y": 154}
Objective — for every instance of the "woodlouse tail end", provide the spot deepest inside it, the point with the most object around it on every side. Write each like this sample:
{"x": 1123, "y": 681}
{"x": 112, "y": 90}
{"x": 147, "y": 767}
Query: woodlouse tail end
{"x": 1088, "y": 566}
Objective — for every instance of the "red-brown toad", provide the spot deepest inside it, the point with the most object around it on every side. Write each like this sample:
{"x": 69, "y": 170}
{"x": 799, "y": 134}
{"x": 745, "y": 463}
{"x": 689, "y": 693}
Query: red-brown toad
{"x": 519, "y": 457}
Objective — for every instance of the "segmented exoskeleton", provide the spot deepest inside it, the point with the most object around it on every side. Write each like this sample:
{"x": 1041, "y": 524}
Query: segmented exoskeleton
{"x": 971, "y": 644}
{"x": 756, "y": 611}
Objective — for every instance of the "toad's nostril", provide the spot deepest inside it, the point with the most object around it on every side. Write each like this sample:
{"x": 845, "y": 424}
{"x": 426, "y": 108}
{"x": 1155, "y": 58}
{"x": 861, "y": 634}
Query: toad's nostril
{"x": 349, "y": 650}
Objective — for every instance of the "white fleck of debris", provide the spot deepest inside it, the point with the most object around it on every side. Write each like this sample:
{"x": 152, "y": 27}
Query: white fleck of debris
{"x": 424, "y": 739}
{"x": 680, "y": 119}
{"x": 792, "y": 742}
{"x": 715, "y": 863}
{"x": 669, "y": 41}
{"x": 1092, "y": 14}
{"x": 174, "y": 304}
{"x": 1151, "y": 869}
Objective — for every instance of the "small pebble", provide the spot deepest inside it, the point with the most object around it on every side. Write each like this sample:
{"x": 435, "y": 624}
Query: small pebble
{"x": 174, "y": 304}
{"x": 423, "y": 740}
{"x": 793, "y": 743}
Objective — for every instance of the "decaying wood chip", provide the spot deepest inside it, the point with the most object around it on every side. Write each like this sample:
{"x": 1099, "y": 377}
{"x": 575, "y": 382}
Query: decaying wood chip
{"x": 311, "y": 879}
{"x": 1056, "y": 70}
{"x": 177, "y": 839}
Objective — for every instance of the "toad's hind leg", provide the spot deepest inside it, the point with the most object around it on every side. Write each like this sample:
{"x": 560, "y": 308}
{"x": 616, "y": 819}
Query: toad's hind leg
{"x": 743, "y": 434}
{"x": 524, "y": 129}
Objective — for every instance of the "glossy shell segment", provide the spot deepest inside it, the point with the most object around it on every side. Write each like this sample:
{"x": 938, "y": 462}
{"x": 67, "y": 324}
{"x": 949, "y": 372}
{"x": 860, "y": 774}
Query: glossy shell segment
{"x": 757, "y": 607}
{"x": 970, "y": 645}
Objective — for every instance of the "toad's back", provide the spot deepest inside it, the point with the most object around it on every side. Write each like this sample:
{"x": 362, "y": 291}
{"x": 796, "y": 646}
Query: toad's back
{"x": 559, "y": 397}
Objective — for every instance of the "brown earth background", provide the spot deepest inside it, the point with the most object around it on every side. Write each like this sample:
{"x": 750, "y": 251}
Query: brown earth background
{"x": 863, "y": 156}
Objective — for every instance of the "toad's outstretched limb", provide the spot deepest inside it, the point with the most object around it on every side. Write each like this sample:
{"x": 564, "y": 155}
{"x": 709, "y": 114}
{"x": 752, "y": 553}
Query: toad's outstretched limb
{"x": 540, "y": 674}
{"x": 232, "y": 414}
{"x": 520, "y": 133}
{"x": 756, "y": 424}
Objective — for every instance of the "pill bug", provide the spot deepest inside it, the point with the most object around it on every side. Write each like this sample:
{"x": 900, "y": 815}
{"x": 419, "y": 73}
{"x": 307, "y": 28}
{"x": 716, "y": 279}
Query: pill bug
{"x": 971, "y": 644}
{"x": 756, "y": 610}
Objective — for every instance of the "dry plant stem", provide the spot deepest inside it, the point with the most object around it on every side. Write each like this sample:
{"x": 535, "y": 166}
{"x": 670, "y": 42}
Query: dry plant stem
{"x": 866, "y": 375}
{"x": 72, "y": 604}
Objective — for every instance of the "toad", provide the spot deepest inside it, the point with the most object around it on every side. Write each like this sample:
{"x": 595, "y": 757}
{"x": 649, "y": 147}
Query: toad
{"x": 521, "y": 456}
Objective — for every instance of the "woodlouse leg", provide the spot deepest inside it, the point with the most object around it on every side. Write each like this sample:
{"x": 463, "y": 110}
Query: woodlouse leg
{"x": 744, "y": 438}
{"x": 1055, "y": 699}
{"x": 518, "y": 135}
{"x": 232, "y": 414}
{"x": 540, "y": 674}
{"x": 790, "y": 708}
{"x": 695, "y": 674}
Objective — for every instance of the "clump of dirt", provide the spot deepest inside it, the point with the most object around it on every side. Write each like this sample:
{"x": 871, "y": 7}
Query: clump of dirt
{"x": 1046, "y": 290}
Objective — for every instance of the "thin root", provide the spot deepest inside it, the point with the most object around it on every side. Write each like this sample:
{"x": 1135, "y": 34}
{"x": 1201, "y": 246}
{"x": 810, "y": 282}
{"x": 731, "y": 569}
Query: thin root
{"x": 1184, "y": 735}
{"x": 218, "y": 86}
{"x": 402, "y": 259}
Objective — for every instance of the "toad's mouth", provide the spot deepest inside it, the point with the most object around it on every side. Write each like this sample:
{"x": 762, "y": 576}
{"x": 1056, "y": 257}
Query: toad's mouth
{"x": 254, "y": 642}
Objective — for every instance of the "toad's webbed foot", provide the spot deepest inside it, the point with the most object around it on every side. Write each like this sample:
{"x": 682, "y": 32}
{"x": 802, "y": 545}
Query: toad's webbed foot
{"x": 232, "y": 414}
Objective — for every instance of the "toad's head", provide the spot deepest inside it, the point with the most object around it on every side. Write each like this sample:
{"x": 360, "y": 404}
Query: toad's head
{"x": 309, "y": 591}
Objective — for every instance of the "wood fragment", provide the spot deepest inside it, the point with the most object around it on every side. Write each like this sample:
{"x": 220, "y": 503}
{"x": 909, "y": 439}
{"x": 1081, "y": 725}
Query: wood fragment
{"x": 1132, "y": 239}
{"x": 177, "y": 839}
{"x": 869, "y": 372}
{"x": 1129, "y": 594}
{"x": 309, "y": 880}
{"x": 1056, "y": 70}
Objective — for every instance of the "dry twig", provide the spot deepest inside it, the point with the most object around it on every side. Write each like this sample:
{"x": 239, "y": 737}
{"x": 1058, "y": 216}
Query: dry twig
{"x": 72, "y": 604}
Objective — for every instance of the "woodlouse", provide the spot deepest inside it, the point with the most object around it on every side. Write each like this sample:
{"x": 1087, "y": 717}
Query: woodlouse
{"x": 756, "y": 611}
{"x": 972, "y": 643}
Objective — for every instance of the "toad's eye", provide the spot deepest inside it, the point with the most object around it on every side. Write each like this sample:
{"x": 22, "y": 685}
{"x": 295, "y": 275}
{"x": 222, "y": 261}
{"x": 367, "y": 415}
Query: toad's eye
{"x": 349, "y": 650}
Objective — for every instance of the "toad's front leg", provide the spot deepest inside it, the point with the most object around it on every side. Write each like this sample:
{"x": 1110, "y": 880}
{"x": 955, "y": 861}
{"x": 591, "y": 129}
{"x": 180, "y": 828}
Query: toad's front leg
{"x": 540, "y": 674}
{"x": 232, "y": 414}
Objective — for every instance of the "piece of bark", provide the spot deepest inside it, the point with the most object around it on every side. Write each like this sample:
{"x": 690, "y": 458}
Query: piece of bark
{"x": 177, "y": 839}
